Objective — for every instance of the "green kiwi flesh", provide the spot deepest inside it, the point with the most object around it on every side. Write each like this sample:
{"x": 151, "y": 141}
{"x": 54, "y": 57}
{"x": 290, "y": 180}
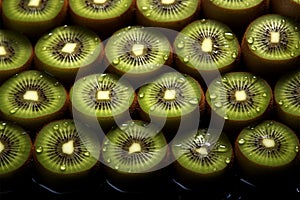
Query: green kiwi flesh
{"x": 271, "y": 43}
{"x": 133, "y": 154}
{"x": 287, "y": 99}
{"x": 205, "y": 46}
{"x": 138, "y": 51}
{"x": 15, "y": 155}
{"x": 266, "y": 150}
{"x": 104, "y": 97}
{"x": 33, "y": 17}
{"x": 95, "y": 15}
{"x": 66, "y": 154}
{"x": 16, "y": 53}
{"x": 172, "y": 14}
{"x": 202, "y": 157}
{"x": 240, "y": 98}
{"x": 32, "y": 98}
{"x": 67, "y": 49}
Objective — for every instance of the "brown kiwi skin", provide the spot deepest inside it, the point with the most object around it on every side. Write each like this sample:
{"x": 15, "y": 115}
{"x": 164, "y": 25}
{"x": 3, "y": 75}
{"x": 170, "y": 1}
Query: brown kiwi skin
{"x": 237, "y": 20}
{"x": 261, "y": 175}
{"x": 287, "y": 8}
{"x": 64, "y": 183}
{"x": 34, "y": 30}
{"x": 111, "y": 25}
{"x": 174, "y": 25}
{"x": 22, "y": 176}
{"x": 263, "y": 67}
{"x": 233, "y": 127}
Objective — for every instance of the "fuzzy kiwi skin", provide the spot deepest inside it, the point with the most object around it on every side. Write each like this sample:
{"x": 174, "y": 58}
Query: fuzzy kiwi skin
{"x": 15, "y": 180}
{"x": 286, "y": 7}
{"x": 263, "y": 67}
{"x": 238, "y": 20}
{"x": 174, "y": 25}
{"x": 34, "y": 30}
{"x": 110, "y": 25}
{"x": 265, "y": 175}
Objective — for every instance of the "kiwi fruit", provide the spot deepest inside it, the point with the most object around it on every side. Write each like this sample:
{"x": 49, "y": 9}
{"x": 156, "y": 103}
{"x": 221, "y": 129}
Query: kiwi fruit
{"x": 174, "y": 99}
{"x": 104, "y": 97}
{"x": 171, "y": 14}
{"x": 288, "y": 8}
{"x": 102, "y": 16}
{"x": 16, "y": 53}
{"x": 203, "y": 158}
{"x": 33, "y": 17}
{"x": 66, "y": 156}
{"x": 266, "y": 152}
{"x": 134, "y": 155}
{"x": 67, "y": 49}
{"x": 237, "y": 14}
{"x": 270, "y": 45}
{"x": 240, "y": 98}
{"x": 15, "y": 156}
{"x": 32, "y": 98}
{"x": 287, "y": 99}
{"x": 138, "y": 53}
{"x": 205, "y": 48}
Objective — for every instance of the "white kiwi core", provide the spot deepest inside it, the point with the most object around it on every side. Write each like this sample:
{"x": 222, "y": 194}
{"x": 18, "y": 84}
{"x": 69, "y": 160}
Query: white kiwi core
{"x": 207, "y": 45}
{"x": 240, "y": 95}
{"x": 69, "y": 48}
{"x": 31, "y": 95}
{"x": 103, "y": 95}
{"x": 68, "y": 147}
{"x": 135, "y": 148}
{"x": 170, "y": 95}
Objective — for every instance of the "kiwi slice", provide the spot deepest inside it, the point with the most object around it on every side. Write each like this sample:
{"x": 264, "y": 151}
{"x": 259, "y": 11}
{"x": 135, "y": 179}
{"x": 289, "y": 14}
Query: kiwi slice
{"x": 287, "y": 99}
{"x": 267, "y": 152}
{"x": 15, "y": 156}
{"x": 16, "y": 53}
{"x": 32, "y": 98}
{"x": 104, "y": 97}
{"x": 237, "y": 14}
{"x": 33, "y": 17}
{"x": 270, "y": 45}
{"x": 172, "y": 98}
{"x": 97, "y": 14}
{"x": 240, "y": 98}
{"x": 66, "y": 156}
{"x": 289, "y": 8}
{"x": 171, "y": 14}
{"x": 134, "y": 155}
{"x": 202, "y": 158}
{"x": 67, "y": 49}
{"x": 138, "y": 53}
{"x": 205, "y": 47}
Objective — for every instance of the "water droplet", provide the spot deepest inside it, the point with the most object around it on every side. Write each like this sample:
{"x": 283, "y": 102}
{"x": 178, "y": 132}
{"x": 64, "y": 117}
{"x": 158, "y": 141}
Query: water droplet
{"x": 41, "y": 76}
{"x": 226, "y": 117}
{"x": 258, "y": 109}
{"x": 215, "y": 169}
{"x": 116, "y": 167}
{"x": 116, "y": 61}
{"x": 39, "y": 149}
{"x": 186, "y": 59}
{"x": 148, "y": 14}
{"x": 180, "y": 45}
{"x": 63, "y": 167}
{"x": 234, "y": 55}
{"x": 297, "y": 46}
{"x": 280, "y": 103}
{"x": 2, "y": 126}
{"x": 292, "y": 54}
{"x": 297, "y": 149}
{"x": 194, "y": 101}
{"x": 13, "y": 111}
{"x": 144, "y": 8}
{"x": 283, "y": 21}
{"x": 242, "y": 141}
{"x": 141, "y": 95}
{"x": 56, "y": 84}
{"x": 213, "y": 96}
{"x": 181, "y": 80}
{"x": 87, "y": 154}
{"x": 229, "y": 35}
{"x": 125, "y": 5}
{"x": 218, "y": 104}
{"x": 286, "y": 106}
{"x": 108, "y": 160}
{"x": 66, "y": 123}
{"x": 104, "y": 149}
{"x": 264, "y": 94}
{"x": 227, "y": 160}
{"x": 222, "y": 148}
{"x": 45, "y": 48}
{"x": 55, "y": 127}
{"x": 123, "y": 127}
{"x": 47, "y": 36}
{"x": 203, "y": 20}
{"x": 250, "y": 40}
{"x": 166, "y": 57}
{"x": 152, "y": 108}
